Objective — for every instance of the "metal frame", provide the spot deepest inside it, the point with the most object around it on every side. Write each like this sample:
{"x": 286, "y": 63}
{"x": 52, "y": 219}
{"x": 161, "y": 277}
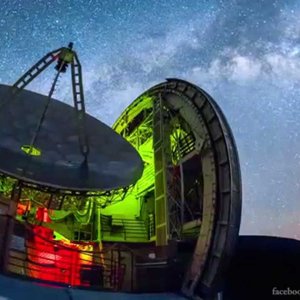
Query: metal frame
{"x": 221, "y": 201}
{"x": 107, "y": 197}
{"x": 77, "y": 87}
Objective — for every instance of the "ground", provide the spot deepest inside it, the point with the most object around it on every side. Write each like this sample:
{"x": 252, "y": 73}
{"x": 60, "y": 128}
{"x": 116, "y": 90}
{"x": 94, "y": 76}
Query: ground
{"x": 14, "y": 289}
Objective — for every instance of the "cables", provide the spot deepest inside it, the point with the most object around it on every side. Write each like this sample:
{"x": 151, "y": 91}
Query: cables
{"x": 39, "y": 126}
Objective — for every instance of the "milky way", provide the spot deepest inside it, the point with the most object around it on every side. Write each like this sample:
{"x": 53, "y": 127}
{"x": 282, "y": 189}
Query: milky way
{"x": 244, "y": 53}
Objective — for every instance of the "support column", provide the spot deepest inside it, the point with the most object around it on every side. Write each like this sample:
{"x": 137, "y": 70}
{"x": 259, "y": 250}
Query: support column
{"x": 161, "y": 149}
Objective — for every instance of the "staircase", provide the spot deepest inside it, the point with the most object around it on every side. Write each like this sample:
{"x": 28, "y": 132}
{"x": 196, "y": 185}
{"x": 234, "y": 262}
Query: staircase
{"x": 117, "y": 229}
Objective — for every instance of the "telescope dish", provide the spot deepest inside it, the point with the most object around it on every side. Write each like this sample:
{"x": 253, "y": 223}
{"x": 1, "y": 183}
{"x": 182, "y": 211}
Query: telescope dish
{"x": 55, "y": 160}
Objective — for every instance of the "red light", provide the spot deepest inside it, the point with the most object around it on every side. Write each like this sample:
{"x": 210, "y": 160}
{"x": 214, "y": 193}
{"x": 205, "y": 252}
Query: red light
{"x": 52, "y": 261}
{"x": 42, "y": 215}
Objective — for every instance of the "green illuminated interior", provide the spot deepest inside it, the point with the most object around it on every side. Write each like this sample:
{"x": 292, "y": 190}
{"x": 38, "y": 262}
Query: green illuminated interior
{"x": 130, "y": 207}
{"x": 141, "y": 139}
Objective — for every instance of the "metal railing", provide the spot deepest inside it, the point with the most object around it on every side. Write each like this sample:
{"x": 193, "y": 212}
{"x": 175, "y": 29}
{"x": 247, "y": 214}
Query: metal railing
{"x": 148, "y": 218}
{"x": 33, "y": 256}
{"x": 128, "y": 229}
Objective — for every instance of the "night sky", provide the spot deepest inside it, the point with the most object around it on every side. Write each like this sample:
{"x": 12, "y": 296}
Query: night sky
{"x": 244, "y": 53}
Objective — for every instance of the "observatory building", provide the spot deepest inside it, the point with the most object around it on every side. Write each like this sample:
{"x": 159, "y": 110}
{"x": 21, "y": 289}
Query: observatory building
{"x": 152, "y": 204}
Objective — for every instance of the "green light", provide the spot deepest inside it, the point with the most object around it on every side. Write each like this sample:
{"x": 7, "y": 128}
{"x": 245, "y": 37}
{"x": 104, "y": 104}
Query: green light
{"x": 30, "y": 150}
{"x": 141, "y": 139}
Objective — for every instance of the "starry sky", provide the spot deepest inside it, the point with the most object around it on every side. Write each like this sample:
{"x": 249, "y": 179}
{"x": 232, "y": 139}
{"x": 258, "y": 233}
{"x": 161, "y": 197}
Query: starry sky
{"x": 246, "y": 54}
